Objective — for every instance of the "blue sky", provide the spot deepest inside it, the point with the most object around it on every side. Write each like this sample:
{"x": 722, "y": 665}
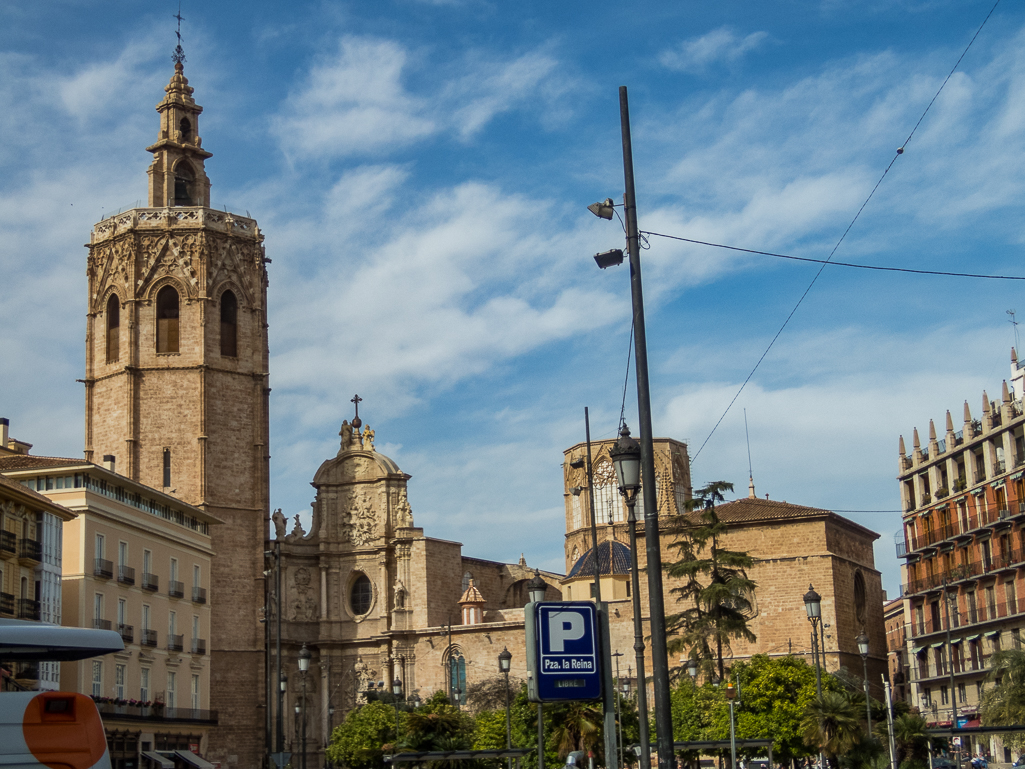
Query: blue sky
{"x": 421, "y": 172}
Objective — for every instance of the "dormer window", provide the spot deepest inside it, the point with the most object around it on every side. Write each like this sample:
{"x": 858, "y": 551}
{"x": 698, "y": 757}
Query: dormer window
{"x": 183, "y": 180}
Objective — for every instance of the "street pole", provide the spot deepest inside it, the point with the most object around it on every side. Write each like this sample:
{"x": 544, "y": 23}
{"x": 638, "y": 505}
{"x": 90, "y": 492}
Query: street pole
{"x": 269, "y": 599}
{"x": 277, "y": 619}
{"x": 540, "y": 736}
{"x": 656, "y": 600}
{"x": 818, "y": 673}
{"x": 608, "y": 697}
{"x": 508, "y": 722}
{"x": 303, "y": 742}
{"x": 889, "y": 723}
{"x": 619, "y": 714}
{"x": 950, "y": 664}
{"x": 642, "y": 694}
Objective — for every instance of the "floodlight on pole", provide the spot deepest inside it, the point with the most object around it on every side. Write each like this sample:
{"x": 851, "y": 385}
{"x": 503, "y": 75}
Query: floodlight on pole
{"x": 602, "y": 210}
{"x": 609, "y": 258}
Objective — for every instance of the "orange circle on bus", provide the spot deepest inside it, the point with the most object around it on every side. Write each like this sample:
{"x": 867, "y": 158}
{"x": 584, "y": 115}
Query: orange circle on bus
{"x": 63, "y": 730}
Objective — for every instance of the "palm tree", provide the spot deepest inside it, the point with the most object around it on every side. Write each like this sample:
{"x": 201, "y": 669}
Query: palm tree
{"x": 580, "y": 728}
{"x": 1004, "y": 703}
{"x": 911, "y": 736}
{"x": 832, "y": 723}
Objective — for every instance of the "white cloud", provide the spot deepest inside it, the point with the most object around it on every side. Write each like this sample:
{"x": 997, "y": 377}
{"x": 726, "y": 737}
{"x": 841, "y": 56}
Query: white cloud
{"x": 719, "y": 45}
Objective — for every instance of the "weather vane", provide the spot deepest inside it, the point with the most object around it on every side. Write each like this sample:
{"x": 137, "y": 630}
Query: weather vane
{"x": 178, "y": 57}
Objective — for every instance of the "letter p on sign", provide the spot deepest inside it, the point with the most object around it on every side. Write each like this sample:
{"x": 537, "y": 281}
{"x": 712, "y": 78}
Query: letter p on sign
{"x": 564, "y": 626}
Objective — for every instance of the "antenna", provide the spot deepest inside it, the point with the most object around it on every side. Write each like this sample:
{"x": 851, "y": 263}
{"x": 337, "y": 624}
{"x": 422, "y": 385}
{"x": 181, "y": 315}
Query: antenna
{"x": 178, "y": 57}
{"x": 750, "y": 472}
{"x": 1017, "y": 342}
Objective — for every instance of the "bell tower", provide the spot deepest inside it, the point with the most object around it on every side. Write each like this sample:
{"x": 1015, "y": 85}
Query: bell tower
{"x": 177, "y": 390}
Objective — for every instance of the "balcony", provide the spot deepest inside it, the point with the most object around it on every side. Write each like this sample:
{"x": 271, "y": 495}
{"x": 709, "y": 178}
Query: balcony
{"x": 103, "y": 568}
{"x": 30, "y": 552}
{"x": 120, "y": 710}
{"x": 175, "y": 589}
{"x": 7, "y": 604}
{"x": 28, "y": 609}
{"x": 127, "y": 633}
{"x": 8, "y": 544}
{"x": 150, "y": 581}
{"x": 174, "y": 643}
{"x": 198, "y": 646}
{"x": 101, "y": 624}
{"x": 962, "y": 619}
{"x": 199, "y": 595}
{"x": 126, "y": 575}
{"x": 965, "y": 571}
{"x": 148, "y": 638}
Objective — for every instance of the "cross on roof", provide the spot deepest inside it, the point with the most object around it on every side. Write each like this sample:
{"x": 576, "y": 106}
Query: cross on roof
{"x": 178, "y": 57}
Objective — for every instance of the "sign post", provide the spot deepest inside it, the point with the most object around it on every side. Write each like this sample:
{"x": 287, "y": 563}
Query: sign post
{"x": 563, "y": 651}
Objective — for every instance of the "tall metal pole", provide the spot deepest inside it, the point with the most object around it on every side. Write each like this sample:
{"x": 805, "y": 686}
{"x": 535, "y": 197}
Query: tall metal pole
{"x": 268, "y": 665}
{"x": 619, "y": 713}
{"x": 818, "y": 671}
{"x": 642, "y": 694}
{"x": 868, "y": 706}
{"x": 508, "y": 721}
{"x": 889, "y": 723}
{"x": 950, "y": 664}
{"x": 540, "y": 736}
{"x": 277, "y": 618}
{"x": 303, "y": 762}
{"x": 733, "y": 739}
{"x": 608, "y": 696}
{"x": 656, "y": 600}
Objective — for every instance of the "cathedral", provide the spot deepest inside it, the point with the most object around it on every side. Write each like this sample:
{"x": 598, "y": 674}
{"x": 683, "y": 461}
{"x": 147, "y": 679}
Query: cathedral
{"x": 177, "y": 398}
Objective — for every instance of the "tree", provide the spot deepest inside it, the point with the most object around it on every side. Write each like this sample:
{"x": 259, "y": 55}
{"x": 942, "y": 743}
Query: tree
{"x": 911, "y": 739}
{"x": 577, "y": 726}
{"x": 1004, "y": 703}
{"x": 489, "y": 694}
{"x": 831, "y": 723}
{"x": 357, "y": 742}
{"x": 719, "y": 609}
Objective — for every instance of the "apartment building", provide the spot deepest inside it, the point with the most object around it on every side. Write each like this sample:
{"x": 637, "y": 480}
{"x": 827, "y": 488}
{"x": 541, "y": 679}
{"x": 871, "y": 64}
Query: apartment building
{"x": 136, "y": 560}
{"x": 896, "y": 648}
{"x": 963, "y": 498}
{"x": 30, "y": 567}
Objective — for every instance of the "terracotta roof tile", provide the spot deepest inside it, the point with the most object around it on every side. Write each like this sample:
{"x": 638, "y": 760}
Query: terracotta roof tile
{"x": 27, "y": 461}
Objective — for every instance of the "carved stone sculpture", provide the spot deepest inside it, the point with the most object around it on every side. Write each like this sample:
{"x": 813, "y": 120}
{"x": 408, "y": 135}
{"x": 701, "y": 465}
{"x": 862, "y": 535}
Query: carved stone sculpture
{"x": 368, "y": 439}
{"x": 346, "y": 433}
{"x": 280, "y": 524}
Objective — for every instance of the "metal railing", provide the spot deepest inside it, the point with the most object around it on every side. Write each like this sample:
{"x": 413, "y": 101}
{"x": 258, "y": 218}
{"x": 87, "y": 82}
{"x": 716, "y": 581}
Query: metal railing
{"x": 101, "y": 624}
{"x": 983, "y": 612}
{"x": 8, "y": 542}
{"x": 174, "y": 643}
{"x": 127, "y": 633}
{"x": 150, "y": 581}
{"x": 30, "y": 550}
{"x": 199, "y": 594}
{"x": 148, "y": 638}
{"x": 28, "y": 609}
{"x": 6, "y": 603}
{"x": 103, "y": 568}
{"x": 175, "y": 589}
{"x": 155, "y": 712}
{"x": 199, "y": 646}
{"x": 970, "y": 570}
{"x": 126, "y": 575}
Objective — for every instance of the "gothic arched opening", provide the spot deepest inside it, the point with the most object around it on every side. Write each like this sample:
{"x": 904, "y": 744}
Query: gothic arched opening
{"x": 183, "y": 179}
{"x": 113, "y": 329}
{"x": 167, "y": 320}
{"x": 229, "y": 325}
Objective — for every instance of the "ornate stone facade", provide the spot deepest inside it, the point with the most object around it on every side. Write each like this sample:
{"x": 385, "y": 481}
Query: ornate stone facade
{"x": 176, "y": 388}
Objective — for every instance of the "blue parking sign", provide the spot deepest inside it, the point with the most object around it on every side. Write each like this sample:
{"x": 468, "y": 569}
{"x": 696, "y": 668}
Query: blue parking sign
{"x": 565, "y": 662}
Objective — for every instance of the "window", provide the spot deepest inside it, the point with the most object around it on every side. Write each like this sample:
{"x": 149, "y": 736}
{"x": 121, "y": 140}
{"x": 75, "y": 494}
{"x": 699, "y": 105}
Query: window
{"x": 121, "y": 611}
{"x": 362, "y": 595}
{"x": 185, "y": 127}
{"x": 147, "y": 562}
{"x": 962, "y": 693}
{"x": 99, "y": 545}
{"x": 144, "y": 684}
{"x": 859, "y": 598}
{"x": 174, "y": 569}
{"x": 608, "y": 505}
{"x": 113, "y": 329}
{"x": 195, "y": 692}
{"x": 229, "y": 325}
{"x": 577, "y": 520}
{"x": 183, "y": 179}
{"x": 98, "y": 606}
{"x": 457, "y": 679}
{"x": 195, "y": 576}
{"x": 172, "y": 620}
{"x": 171, "y": 681}
{"x": 119, "y": 682}
{"x": 122, "y": 553}
{"x": 195, "y": 627}
{"x": 467, "y": 576}
{"x": 167, "y": 320}
{"x": 145, "y": 616}
{"x": 167, "y": 469}
{"x": 97, "y": 678}
{"x": 944, "y": 696}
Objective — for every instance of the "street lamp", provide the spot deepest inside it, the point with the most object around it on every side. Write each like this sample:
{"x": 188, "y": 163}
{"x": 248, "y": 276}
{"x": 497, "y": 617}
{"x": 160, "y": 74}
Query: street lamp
{"x": 282, "y": 688}
{"x": 862, "y": 641}
{"x": 813, "y": 606}
{"x": 304, "y": 665}
{"x": 536, "y": 589}
{"x": 626, "y": 458}
{"x": 731, "y": 695}
{"x": 504, "y": 664}
{"x": 396, "y": 690}
{"x": 692, "y": 669}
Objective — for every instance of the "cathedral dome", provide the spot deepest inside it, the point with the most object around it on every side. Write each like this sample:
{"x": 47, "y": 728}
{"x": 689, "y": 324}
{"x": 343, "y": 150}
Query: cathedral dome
{"x": 609, "y": 552}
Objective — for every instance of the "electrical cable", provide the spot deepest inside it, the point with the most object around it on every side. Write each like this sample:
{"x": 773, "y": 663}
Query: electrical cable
{"x": 626, "y": 380}
{"x": 836, "y": 264}
{"x": 899, "y": 152}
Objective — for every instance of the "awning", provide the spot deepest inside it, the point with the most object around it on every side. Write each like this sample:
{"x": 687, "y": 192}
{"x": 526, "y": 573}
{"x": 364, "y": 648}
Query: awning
{"x": 972, "y": 637}
{"x": 192, "y": 759}
{"x": 977, "y": 492}
{"x": 939, "y": 645}
{"x": 159, "y": 760}
{"x": 1016, "y": 476}
{"x": 991, "y": 633}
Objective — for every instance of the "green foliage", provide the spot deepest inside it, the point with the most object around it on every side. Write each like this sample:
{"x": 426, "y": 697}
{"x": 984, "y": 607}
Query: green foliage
{"x": 489, "y": 730}
{"x": 831, "y": 723}
{"x": 774, "y": 693}
{"x": 1004, "y": 703}
{"x": 714, "y": 587}
{"x": 357, "y": 742}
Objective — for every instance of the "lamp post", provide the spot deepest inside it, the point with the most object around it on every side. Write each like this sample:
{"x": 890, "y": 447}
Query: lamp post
{"x": 656, "y": 599}
{"x": 330, "y": 728}
{"x": 304, "y": 665}
{"x": 862, "y": 640}
{"x": 396, "y": 691}
{"x": 813, "y": 606}
{"x": 626, "y": 457}
{"x": 282, "y": 688}
{"x": 536, "y": 589}
{"x": 731, "y": 695}
{"x": 504, "y": 664}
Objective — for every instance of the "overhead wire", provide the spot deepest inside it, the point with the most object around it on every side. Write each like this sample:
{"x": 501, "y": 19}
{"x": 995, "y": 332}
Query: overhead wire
{"x": 825, "y": 262}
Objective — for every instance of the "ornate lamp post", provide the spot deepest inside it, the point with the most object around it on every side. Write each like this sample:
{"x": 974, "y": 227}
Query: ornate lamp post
{"x": 813, "y": 605}
{"x": 536, "y": 589}
{"x": 692, "y": 670}
{"x": 282, "y": 688}
{"x": 504, "y": 664}
{"x": 731, "y": 695}
{"x": 626, "y": 457}
{"x": 304, "y": 665}
{"x": 396, "y": 690}
{"x": 862, "y": 640}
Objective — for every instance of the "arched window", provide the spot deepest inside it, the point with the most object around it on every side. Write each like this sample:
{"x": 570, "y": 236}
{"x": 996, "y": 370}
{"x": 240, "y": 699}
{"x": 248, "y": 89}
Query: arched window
{"x": 467, "y": 576}
{"x": 457, "y": 679}
{"x": 185, "y": 127}
{"x": 113, "y": 329}
{"x": 183, "y": 179}
{"x": 859, "y": 598}
{"x": 229, "y": 325}
{"x": 608, "y": 504}
{"x": 167, "y": 320}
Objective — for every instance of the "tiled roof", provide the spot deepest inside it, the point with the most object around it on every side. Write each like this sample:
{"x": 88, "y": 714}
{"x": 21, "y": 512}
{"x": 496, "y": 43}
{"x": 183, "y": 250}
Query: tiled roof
{"x": 472, "y": 595}
{"x": 743, "y": 510}
{"x": 25, "y": 491}
{"x": 609, "y": 551}
{"x": 26, "y": 461}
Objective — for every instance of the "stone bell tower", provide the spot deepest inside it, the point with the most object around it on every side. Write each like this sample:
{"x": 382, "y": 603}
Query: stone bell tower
{"x": 177, "y": 391}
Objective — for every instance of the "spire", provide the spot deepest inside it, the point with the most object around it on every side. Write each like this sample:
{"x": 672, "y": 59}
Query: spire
{"x": 1014, "y": 356}
{"x": 967, "y": 413}
{"x": 985, "y": 402}
{"x": 900, "y": 447}
{"x": 177, "y": 176}
{"x": 751, "y": 488}
{"x": 1005, "y": 395}
{"x": 950, "y": 422}
{"x": 915, "y": 443}
{"x": 932, "y": 431}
